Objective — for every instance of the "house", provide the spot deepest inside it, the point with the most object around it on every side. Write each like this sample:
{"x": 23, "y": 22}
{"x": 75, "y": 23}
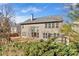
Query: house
{"x": 42, "y": 27}
{"x": 13, "y": 29}
{"x": 75, "y": 26}
{"x": 16, "y": 29}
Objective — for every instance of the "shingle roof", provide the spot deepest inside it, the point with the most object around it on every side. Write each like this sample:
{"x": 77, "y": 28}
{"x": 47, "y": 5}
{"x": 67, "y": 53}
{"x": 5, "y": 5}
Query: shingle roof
{"x": 43, "y": 19}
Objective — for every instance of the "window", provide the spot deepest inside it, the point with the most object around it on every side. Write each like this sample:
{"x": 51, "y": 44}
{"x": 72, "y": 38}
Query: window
{"x": 57, "y": 25}
{"x": 37, "y": 35}
{"x": 43, "y": 35}
{"x": 49, "y": 25}
{"x": 56, "y": 34}
{"x": 52, "y": 25}
{"x": 22, "y": 26}
{"x": 46, "y": 35}
{"x": 33, "y": 29}
{"x": 49, "y": 35}
{"x": 46, "y": 25}
{"x": 64, "y": 40}
{"x": 34, "y": 34}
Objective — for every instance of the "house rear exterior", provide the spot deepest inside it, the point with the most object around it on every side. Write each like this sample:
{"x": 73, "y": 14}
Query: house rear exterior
{"x": 75, "y": 26}
{"x": 42, "y": 27}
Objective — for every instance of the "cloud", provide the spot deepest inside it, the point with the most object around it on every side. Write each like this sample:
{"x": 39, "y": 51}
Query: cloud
{"x": 58, "y": 8}
{"x": 23, "y": 17}
{"x": 74, "y": 6}
{"x": 65, "y": 7}
{"x": 31, "y": 9}
{"x": 20, "y": 19}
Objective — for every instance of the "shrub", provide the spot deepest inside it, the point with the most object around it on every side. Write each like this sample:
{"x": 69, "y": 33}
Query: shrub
{"x": 49, "y": 48}
{"x": 45, "y": 48}
{"x": 14, "y": 34}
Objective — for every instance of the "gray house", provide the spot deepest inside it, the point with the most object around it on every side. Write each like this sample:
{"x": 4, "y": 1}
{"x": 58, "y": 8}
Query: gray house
{"x": 42, "y": 27}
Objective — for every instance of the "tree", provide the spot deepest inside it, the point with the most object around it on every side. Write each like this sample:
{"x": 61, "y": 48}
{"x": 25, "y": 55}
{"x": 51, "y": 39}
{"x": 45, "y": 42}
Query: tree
{"x": 74, "y": 12}
{"x": 7, "y": 14}
{"x": 67, "y": 28}
{"x": 68, "y": 31}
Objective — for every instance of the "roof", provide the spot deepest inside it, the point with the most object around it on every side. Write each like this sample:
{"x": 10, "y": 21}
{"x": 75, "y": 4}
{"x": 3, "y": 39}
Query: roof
{"x": 43, "y": 20}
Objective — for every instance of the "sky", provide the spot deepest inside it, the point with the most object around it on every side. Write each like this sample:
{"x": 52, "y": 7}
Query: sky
{"x": 23, "y": 11}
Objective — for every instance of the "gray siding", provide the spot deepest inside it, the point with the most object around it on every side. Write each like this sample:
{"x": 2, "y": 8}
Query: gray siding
{"x": 26, "y": 29}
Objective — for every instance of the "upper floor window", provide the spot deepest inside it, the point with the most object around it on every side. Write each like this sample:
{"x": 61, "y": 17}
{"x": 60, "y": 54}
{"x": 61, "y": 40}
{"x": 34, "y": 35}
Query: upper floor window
{"x": 46, "y": 25}
{"x": 49, "y": 25}
{"x": 57, "y": 25}
{"x": 34, "y": 29}
{"x": 22, "y": 26}
{"x": 52, "y": 25}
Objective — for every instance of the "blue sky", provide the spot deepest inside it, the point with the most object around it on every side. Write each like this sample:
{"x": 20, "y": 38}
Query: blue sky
{"x": 23, "y": 10}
